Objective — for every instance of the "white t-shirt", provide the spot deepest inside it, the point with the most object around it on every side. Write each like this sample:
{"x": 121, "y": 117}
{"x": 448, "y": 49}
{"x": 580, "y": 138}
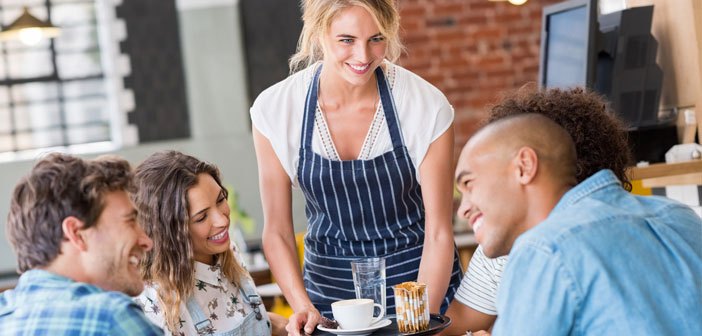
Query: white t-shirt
{"x": 479, "y": 286}
{"x": 423, "y": 113}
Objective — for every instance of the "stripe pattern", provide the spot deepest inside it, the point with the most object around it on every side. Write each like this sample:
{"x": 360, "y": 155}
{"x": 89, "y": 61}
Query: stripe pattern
{"x": 360, "y": 208}
{"x": 479, "y": 286}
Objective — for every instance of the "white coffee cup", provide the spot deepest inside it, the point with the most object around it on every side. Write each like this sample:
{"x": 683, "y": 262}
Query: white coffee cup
{"x": 356, "y": 313}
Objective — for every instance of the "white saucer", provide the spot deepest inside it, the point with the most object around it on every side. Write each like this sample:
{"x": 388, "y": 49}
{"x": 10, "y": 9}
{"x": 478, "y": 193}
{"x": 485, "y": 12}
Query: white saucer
{"x": 357, "y": 332}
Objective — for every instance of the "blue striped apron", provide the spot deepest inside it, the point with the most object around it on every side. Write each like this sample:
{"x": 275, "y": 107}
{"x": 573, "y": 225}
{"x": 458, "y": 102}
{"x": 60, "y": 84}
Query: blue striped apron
{"x": 361, "y": 208}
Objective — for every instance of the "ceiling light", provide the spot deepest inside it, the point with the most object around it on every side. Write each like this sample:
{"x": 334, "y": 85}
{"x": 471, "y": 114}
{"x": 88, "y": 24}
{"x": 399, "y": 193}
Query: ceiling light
{"x": 28, "y": 29}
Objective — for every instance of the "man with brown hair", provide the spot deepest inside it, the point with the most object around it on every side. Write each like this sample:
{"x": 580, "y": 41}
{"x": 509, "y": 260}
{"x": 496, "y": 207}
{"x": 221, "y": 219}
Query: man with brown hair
{"x": 78, "y": 249}
{"x": 585, "y": 259}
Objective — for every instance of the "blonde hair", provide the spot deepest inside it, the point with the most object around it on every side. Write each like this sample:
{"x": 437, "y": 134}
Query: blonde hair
{"x": 318, "y": 15}
{"x": 163, "y": 180}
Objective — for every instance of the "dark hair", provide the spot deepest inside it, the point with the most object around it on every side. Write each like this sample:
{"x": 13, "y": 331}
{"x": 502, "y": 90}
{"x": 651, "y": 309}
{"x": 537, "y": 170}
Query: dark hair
{"x": 59, "y": 186}
{"x": 600, "y": 137}
{"x": 163, "y": 181}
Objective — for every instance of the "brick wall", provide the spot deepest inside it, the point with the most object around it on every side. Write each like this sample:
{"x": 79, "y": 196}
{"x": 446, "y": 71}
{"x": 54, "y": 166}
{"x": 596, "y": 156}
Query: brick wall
{"x": 472, "y": 50}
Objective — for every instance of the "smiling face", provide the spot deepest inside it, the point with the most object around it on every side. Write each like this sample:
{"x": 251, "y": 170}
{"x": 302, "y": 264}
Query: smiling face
{"x": 492, "y": 200}
{"x": 353, "y": 46}
{"x": 209, "y": 219}
{"x": 117, "y": 244}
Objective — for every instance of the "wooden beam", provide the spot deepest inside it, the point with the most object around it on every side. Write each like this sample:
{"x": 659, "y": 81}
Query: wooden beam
{"x": 665, "y": 181}
{"x": 665, "y": 169}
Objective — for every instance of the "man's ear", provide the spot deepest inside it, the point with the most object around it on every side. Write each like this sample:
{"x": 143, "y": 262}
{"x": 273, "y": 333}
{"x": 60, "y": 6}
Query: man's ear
{"x": 73, "y": 231}
{"x": 527, "y": 163}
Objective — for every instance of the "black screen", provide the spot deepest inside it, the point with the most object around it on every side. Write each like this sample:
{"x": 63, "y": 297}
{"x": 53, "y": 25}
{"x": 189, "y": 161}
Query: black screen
{"x": 566, "y": 48}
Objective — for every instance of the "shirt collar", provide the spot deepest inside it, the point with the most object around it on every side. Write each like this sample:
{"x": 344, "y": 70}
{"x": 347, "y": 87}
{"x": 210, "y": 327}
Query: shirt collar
{"x": 209, "y": 274}
{"x": 45, "y": 278}
{"x": 604, "y": 178}
{"x": 37, "y": 280}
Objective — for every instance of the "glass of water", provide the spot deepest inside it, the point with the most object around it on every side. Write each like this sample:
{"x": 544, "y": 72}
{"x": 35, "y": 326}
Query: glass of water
{"x": 369, "y": 279}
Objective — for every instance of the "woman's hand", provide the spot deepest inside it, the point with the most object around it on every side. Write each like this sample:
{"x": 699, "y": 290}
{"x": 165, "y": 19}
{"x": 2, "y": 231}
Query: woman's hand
{"x": 306, "y": 319}
{"x": 278, "y": 323}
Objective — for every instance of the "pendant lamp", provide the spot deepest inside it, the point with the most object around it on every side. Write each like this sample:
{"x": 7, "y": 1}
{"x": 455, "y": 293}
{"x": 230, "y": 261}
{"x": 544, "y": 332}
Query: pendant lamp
{"x": 29, "y": 29}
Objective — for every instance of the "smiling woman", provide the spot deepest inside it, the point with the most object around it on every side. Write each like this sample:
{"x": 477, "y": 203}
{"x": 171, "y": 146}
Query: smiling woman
{"x": 209, "y": 222}
{"x": 195, "y": 281}
{"x": 358, "y": 134}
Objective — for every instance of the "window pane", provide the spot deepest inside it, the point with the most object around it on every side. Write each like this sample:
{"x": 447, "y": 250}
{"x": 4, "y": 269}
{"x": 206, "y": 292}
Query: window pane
{"x": 5, "y": 143}
{"x": 81, "y": 88}
{"x": 30, "y": 64}
{"x": 33, "y": 92}
{"x": 3, "y": 71}
{"x": 4, "y": 96}
{"x": 79, "y": 65}
{"x": 55, "y": 2}
{"x": 77, "y": 38}
{"x": 20, "y": 3}
{"x": 48, "y": 138}
{"x": 5, "y": 120}
{"x": 37, "y": 116}
{"x": 79, "y": 135}
{"x": 72, "y": 13}
{"x": 58, "y": 107}
{"x": 85, "y": 111}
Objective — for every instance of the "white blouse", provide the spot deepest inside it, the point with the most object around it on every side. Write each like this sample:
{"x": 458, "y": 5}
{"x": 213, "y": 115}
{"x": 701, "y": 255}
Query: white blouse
{"x": 218, "y": 298}
{"x": 423, "y": 112}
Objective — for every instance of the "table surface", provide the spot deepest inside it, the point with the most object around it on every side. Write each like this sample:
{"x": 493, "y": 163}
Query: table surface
{"x": 437, "y": 323}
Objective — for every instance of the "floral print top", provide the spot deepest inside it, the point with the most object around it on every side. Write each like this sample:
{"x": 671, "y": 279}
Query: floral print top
{"x": 220, "y": 299}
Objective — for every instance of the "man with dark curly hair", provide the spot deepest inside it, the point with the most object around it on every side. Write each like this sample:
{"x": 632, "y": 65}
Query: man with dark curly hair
{"x": 600, "y": 137}
{"x": 600, "y": 140}
{"x": 78, "y": 248}
{"x": 586, "y": 256}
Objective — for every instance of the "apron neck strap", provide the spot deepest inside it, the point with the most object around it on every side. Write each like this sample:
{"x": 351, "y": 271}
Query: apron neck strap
{"x": 385, "y": 99}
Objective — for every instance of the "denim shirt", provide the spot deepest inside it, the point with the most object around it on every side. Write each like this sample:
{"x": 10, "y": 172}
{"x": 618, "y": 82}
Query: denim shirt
{"x": 605, "y": 262}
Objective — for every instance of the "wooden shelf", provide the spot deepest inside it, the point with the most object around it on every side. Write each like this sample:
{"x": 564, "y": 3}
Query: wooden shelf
{"x": 665, "y": 170}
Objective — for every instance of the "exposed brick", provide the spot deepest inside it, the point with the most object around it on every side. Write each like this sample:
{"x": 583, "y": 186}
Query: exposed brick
{"x": 419, "y": 38}
{"x": 412, "y": 24}
{"x": 483, "y": 5}
{"x": 489, "y": 33}
{"x": 490, "y": 62}
{"x": 473, "y": 20}
{"x": 447, "y": 9}
{"x": 413, "y": 10}
{"x": 452, "y": 36}
{"x": 444, "y": 21}
{"x": 472, "y": 50}
{"x": 417, "y": 63}
{"x": 508, "y": 17}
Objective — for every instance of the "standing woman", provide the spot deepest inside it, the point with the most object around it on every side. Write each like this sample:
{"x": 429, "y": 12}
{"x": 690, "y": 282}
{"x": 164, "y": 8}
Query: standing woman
{"x": 357, "y": 134}
{"x": 195, "y": 283}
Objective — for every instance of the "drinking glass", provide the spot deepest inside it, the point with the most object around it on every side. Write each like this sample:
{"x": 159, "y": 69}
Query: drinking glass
{"x": 369, "y": 279}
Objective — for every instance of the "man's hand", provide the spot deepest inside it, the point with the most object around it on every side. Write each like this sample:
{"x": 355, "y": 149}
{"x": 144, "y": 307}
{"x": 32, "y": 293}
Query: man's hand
{"x": 307, "y": 319}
